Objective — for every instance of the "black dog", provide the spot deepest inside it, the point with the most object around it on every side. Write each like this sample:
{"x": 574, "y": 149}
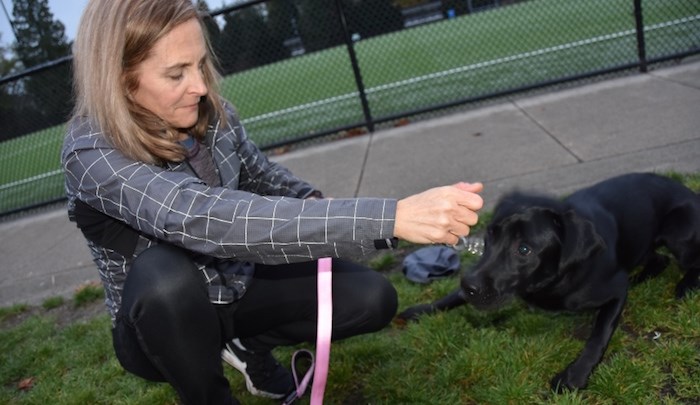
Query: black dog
{"x": 576, "y": 255}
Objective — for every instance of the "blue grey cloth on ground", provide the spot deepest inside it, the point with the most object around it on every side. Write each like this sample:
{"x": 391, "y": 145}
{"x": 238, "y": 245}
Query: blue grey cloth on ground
{"x": 430, "y": 263}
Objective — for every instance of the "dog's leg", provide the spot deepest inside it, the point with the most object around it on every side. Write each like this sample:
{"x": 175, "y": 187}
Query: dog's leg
{"x": 452, "y": 300}
{"x": 576, "y": 374}
{"x": 653, "y": 266}
{"x": 689, "y": 282}
{"x": 681, "y": 235}
{"x": 688, "y": 255}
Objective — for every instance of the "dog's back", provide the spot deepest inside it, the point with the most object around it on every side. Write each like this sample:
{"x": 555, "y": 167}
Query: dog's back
{"x": 634, "y": 195}
{"x": 646, "y": 210}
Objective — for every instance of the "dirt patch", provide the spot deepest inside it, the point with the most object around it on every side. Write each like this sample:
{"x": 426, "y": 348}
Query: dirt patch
{"x": 64, "y": 314}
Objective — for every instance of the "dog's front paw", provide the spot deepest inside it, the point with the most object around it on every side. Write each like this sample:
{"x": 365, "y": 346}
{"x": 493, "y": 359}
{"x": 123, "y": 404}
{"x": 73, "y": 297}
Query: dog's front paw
{"x": 568, "y": 380}
{"x": 413, "y": 313}
{"x": 686, "y": 286}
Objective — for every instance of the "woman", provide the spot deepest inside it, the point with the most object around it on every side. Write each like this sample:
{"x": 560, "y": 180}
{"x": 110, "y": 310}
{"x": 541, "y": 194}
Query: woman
{"x": 206, "y": 249}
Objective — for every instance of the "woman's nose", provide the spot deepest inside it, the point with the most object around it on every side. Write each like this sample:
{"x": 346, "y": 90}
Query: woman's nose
{"x": 198, "y": 85}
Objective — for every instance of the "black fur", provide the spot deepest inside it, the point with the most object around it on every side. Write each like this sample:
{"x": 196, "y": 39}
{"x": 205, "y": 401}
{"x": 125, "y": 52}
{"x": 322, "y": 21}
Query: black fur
{"x": 577, "y": 254}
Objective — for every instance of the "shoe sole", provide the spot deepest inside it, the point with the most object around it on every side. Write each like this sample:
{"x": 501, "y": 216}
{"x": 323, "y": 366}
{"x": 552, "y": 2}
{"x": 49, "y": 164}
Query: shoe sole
{"x": 234, "y": 362}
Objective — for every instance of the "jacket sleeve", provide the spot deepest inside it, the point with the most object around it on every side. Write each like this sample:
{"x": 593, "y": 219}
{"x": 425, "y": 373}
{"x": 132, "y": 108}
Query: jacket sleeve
{"x": 256, "y": 172}
{"x": 180, "y": 209}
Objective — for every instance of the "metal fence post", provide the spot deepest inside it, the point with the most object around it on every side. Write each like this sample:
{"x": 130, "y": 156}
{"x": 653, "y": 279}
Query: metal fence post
{"x": 355, "y": 67}
{"x": 641, "y": 46}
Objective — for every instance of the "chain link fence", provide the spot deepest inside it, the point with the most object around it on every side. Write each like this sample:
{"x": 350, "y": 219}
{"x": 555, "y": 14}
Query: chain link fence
{"x": 311, "y": 70}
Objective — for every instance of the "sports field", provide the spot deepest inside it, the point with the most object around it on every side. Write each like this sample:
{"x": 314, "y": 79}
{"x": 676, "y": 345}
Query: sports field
{"x": 478, "y": 54}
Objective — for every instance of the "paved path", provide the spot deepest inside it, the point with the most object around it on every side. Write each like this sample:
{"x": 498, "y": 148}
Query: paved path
{"x": 552, "y": 143}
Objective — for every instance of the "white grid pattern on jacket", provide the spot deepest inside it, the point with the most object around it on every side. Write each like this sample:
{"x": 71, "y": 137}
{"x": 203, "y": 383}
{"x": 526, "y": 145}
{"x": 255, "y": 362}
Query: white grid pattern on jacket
{"x": 258, "y": 215}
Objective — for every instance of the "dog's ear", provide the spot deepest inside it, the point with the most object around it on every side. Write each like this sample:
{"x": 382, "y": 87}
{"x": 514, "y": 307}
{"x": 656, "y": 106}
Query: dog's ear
{"x": 579, "y": 241}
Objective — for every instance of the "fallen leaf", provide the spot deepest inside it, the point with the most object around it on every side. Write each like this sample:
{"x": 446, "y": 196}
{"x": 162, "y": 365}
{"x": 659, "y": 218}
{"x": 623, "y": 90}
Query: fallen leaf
{"x": 26, "y": 384}
{"x": 402, "y": 122}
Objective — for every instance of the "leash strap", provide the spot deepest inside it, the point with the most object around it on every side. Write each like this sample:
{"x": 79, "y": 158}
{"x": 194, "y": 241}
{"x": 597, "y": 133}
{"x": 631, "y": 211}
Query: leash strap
{"x": 323, "y": 332}
{"x": 301, "y": 385}
{"x": 324, "y": 326}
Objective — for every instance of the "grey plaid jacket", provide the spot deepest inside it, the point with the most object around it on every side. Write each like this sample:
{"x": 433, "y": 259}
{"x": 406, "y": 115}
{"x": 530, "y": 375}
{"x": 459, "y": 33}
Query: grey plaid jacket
{"x": 258, "y": 215}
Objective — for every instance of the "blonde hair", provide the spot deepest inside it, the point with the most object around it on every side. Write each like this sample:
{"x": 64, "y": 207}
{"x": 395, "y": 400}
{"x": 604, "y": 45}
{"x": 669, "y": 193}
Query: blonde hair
{"x": 113, "y": 38}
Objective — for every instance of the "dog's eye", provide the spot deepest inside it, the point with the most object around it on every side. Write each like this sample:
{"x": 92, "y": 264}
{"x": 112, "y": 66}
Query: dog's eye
{"x": 524, "y": 250}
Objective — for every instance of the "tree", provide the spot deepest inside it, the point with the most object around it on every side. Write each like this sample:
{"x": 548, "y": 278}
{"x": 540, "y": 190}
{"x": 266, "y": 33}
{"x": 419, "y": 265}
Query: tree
{"x": 7, "y": 66}
{"x": 8, "y": 115}
{"x": 318, "y": 24}
{"x": 370, "y": 18}
{"x": 41, "y": 39}
{"x": 283, "y": 22}
{"x": 246, "y": 41}
{"x": 283, "y": 18}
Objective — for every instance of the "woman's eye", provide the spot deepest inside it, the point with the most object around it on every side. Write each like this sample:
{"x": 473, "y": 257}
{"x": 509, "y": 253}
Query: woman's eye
{"x": 524, "y": 250}
{"x": 175, "y": 75}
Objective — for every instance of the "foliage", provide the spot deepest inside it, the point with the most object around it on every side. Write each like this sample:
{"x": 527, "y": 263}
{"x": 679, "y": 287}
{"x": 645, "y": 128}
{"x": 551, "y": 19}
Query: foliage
{"x": 7, "y": 65}
{"x": 372, "y": 18}
{"x": 39, "y": 39}
{"x": 314, "y": 14}
{"x": 262, "y": 34}
{"x": 246, "y": 41}
{"x": 7, "y": 62}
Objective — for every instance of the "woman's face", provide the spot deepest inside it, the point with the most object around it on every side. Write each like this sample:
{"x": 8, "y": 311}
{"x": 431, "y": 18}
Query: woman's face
{"x": 171, "y": 82}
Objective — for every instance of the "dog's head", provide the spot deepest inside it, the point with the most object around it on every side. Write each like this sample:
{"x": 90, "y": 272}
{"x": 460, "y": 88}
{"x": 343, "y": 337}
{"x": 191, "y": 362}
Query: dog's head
{"x": 531, "y": 243}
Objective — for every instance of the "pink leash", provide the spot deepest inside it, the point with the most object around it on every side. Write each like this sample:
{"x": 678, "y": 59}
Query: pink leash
{"x": 323, "y": 333}
{"x": 319, "y": 367}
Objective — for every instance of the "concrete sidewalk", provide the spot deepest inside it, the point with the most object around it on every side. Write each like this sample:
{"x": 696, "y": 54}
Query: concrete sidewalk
{"x": 554, "y": 143}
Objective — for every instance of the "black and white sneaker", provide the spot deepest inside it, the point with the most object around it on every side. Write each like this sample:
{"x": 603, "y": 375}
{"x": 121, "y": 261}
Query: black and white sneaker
{"x": 264, "y": 376}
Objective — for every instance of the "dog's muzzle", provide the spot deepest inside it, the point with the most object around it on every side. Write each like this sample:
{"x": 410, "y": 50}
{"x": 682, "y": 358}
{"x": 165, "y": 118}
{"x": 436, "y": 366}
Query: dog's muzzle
{"x": 480, "y": 297}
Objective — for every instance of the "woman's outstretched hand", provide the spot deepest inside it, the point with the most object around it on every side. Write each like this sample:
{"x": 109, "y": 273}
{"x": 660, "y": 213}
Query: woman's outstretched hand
{"x": 439, "y": 215}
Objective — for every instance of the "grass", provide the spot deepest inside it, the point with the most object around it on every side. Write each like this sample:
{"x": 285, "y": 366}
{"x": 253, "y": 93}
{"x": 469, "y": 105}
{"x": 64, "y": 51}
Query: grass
{"x": 87, "y": 293}
{"x": 483, "y": 53}
{"x": 460, "y": 357}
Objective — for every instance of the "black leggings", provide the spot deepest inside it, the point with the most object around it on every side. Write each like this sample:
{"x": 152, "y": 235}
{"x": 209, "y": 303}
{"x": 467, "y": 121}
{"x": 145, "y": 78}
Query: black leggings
{"x": 167, "y": 329}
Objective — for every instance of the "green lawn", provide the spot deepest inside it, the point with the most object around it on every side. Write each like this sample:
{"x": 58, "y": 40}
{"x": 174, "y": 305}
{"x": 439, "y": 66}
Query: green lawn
{"x": 460, "y": 357}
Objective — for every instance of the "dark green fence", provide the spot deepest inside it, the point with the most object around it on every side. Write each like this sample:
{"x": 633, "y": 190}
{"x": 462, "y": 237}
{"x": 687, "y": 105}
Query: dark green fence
{"x": 312, "y": 69}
